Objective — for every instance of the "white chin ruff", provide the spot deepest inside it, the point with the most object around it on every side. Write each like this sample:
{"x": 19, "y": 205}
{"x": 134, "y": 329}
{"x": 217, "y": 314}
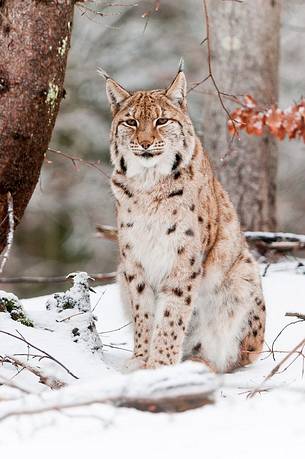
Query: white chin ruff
{"x": 148, "y": 162}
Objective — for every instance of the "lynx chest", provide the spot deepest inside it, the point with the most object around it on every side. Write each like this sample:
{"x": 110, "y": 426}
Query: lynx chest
{"x": 150, "y": 242}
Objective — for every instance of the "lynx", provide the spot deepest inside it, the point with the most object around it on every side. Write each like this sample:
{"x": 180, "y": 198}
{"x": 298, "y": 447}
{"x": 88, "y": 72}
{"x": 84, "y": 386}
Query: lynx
{"x": 186, "y": 274}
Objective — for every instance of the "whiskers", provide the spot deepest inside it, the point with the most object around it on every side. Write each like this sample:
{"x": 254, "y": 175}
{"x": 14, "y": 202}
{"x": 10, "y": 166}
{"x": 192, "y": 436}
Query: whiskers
{"x": 155, "y": 150}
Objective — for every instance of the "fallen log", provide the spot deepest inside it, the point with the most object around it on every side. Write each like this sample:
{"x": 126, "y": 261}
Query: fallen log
{"x": 168, "y": 389}
{"x": 280, "y": 242}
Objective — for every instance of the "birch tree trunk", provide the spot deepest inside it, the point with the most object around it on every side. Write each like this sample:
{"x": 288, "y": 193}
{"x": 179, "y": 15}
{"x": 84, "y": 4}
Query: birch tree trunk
{"x": 34, "y": 43}
{"x": 245, "y": 57}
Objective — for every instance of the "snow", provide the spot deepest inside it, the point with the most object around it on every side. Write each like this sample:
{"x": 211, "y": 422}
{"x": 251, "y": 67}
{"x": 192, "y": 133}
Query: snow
{"x": 270, "y": 424}
{"x": 72, "y": 310}
{"x": 255, "y": 235}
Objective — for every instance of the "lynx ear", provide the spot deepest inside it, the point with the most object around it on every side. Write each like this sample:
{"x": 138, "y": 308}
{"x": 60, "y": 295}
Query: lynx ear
{"x": 116, "y": 95}
{"x": 177, "y": 90}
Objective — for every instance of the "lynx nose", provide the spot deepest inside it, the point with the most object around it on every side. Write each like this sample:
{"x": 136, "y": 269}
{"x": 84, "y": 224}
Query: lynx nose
{"x": 145, "y": 144}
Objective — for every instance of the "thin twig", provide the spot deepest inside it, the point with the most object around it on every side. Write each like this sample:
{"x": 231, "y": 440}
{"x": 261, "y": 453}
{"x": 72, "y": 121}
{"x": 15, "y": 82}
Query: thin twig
{"x": 115, "y": 329}
{"x": 206, "y": 15}
{"x": 266, "y": 269}
{"x": 279, "y": 334}
{"x": 147, "y": 14}
{"x": 70, "y": 317}
{"x": 98, "y": 301}
{"x": 277, "y": 367}
{"x": 76, "y": 159}
{"x": 195, "y": 85}
{"x": 112, "y": 346}
{"x": 10, "y": 234}
{"x": 40, "y": 350}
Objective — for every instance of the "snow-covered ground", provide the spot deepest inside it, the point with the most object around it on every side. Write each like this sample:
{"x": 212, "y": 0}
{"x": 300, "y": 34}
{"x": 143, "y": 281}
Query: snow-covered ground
{"x": 271, "y": 424}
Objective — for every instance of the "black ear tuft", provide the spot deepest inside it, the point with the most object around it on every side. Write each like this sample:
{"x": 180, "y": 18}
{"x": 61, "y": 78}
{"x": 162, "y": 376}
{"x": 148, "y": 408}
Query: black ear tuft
{"x": 177, "y": 90}
{"x": 116, "y": 94}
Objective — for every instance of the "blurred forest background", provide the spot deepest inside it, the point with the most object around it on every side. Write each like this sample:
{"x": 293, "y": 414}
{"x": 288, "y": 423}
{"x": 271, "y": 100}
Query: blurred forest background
{"x": 57, "y": 233}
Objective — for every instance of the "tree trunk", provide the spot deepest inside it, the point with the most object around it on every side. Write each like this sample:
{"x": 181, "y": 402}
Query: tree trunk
{"x": 245, "y": 54}
{"x": 34, "y": 43}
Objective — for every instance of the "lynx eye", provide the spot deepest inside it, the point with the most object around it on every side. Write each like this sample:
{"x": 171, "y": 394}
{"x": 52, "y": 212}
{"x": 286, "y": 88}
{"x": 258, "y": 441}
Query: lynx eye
{"x": 161, "y": 121}
{"x": 131, "y": 122}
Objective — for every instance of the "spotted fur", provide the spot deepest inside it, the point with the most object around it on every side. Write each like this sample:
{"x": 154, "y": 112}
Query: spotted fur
{"x": 186, "y": 274}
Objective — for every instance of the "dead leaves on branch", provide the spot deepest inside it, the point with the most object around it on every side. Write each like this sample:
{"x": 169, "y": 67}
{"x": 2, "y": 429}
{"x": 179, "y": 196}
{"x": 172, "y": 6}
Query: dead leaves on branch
{"x": 288, "y": 123}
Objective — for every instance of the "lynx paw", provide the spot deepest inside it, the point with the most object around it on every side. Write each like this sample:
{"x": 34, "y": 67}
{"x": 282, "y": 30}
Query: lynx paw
{"x": 134, "y": 363}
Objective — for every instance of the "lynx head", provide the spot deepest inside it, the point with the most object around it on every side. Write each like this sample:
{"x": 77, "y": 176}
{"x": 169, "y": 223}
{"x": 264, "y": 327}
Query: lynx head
{"x": 151, "y": 130}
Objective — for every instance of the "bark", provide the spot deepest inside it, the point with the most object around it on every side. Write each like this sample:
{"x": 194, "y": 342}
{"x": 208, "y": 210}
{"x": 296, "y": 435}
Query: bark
{"x": 34, "y": 43}
{"x": 245, "y": 56}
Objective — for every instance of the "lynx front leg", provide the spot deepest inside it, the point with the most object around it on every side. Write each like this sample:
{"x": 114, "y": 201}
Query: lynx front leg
{"x": 141, "y": 299}
{"x": 173, "y": 313}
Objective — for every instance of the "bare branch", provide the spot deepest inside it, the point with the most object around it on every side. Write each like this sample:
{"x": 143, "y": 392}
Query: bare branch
{"x": 280, "y": 333}
{"x": 206, "y": 15}
{"x": 277, "y": 368}
{"x": 75, "y": 159}
{"x": 40, "y": 350}
{"x": 115, "y": 329}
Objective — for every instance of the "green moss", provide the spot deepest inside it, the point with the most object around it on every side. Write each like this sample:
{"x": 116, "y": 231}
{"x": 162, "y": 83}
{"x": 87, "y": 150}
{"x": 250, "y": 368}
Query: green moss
{"x": 14, "y": 308}
{"x": 26, "y": 321}
{"x": 68, "y": 305}
{"x": 8, "y": 304}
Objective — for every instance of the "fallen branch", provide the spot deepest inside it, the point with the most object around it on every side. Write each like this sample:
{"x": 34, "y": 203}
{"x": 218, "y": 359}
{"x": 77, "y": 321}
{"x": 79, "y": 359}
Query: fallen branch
{"x": 107, "y": 232}
{"x": 281, "y": 242}
{"x": 295, "y": 314}
{"x": 168, "y": 389}
{"x": 48, "y": 380}
{"x": 21, "y": 338}
{"x": 270, "y": 241}
{"x": 52, "y": 279}
{"x": 273, "y": 241}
